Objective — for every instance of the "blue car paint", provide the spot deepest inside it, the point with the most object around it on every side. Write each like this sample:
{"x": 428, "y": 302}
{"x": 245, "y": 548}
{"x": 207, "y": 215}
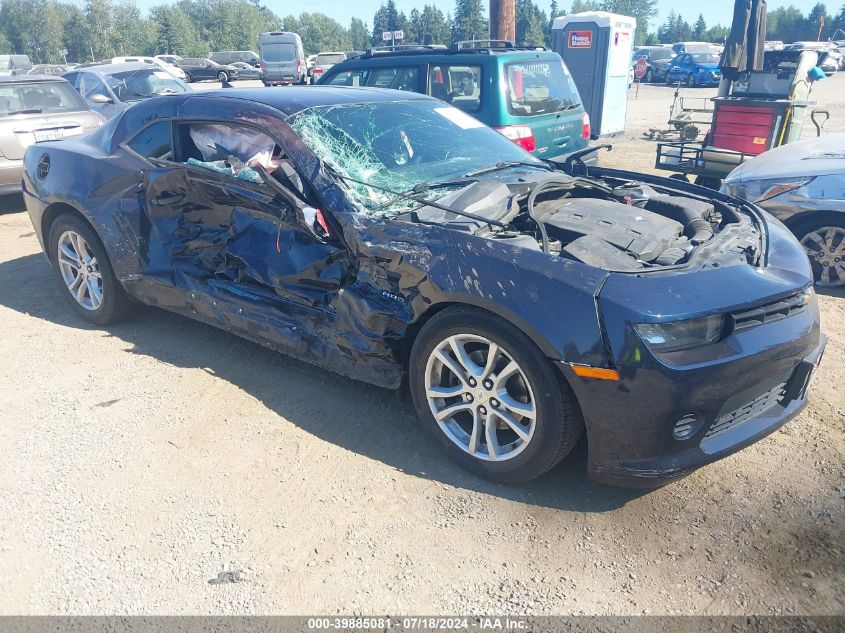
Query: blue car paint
{"x": 352, "y": 308}
{"x": 706, "y": 74}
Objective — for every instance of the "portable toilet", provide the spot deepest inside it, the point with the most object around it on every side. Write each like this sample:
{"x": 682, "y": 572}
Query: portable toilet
{"x": 597, "y": 47}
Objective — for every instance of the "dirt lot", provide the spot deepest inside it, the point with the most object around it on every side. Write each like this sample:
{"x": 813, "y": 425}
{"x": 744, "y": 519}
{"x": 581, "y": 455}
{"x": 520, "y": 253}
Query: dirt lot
{"x": 141, "y": 460}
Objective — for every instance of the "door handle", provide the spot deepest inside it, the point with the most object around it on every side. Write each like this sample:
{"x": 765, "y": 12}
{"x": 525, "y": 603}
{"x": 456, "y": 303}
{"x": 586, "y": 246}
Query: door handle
{"x": 560, "y": 142}
{"x": 167, "y": 198}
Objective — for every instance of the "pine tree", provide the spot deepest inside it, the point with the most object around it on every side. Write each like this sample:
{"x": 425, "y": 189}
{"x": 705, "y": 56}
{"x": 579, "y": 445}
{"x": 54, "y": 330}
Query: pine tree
{"x": 699, "y": 29}
{"x": 470, "y": 23}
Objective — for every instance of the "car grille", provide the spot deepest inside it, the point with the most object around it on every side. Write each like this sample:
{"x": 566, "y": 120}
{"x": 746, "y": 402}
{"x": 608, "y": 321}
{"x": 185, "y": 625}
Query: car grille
{"x": 769, "y": 312}
{"x": 739, "y": 416}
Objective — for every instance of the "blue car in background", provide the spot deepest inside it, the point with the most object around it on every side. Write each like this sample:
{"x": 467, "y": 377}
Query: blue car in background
{"x": 695, "y": 69}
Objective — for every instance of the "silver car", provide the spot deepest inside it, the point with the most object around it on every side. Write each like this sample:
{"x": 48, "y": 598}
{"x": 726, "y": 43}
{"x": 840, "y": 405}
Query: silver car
{"x": 34, "y": 109}
{"x": 803, "y": 185}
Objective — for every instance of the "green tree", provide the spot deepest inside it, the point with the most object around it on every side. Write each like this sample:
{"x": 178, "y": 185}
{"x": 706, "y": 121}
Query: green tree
{"x": 99, "y": 17}
{"x": 814, "y": 21}
{"x": 428, "y": 26}
{"x": 387, "y": 18}
{"x": 554, "y": 11}
{"x": 530, "y": 24}
{"x": 700, "y": 28}
{"x": 321, "y": 33}
{"x": 75, "y": 34}
{"x": 175, "y": 33}
{"x": 786, "y": 24}
{"x": 469, "y": 23}
{"x": 580, "y": 6}
{"x": 133, "y": 35}
{"x": 643, "y": 10}
{"x": 359, "y": 35}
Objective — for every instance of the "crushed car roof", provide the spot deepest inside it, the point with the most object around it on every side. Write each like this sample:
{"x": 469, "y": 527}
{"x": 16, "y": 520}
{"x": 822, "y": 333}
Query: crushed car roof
{"x": 294, "y": 99}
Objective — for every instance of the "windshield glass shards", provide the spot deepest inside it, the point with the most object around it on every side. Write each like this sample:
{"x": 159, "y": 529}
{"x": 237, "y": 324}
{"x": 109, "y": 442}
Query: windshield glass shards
{"x": 402, "y": 147}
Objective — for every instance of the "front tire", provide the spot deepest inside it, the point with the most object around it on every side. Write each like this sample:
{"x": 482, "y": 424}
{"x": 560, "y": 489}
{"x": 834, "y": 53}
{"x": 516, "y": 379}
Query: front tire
{"x": 222, "y": 76}
{"x": 188, "y": 78}
{"x": 692, "y": 82}
{"x": 823, "y": 239}
{"x": 84, "y": 271}
{"x": 490, "y": 398}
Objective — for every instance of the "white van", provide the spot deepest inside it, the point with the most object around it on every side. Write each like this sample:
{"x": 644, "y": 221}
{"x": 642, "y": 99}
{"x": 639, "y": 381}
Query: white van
{"x": 282, "y": 58}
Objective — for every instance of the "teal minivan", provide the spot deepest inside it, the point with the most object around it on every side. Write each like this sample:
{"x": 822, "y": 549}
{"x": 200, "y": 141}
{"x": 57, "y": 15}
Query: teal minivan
{"x": 526, "y": 94}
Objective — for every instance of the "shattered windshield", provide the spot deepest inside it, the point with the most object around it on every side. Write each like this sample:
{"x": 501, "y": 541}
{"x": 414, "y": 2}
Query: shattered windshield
{"x": 400, "y": 145}
{"x": 135, "y": 85}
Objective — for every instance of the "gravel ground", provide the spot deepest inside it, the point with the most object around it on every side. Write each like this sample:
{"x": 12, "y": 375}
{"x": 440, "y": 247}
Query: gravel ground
{"x": 162, "y": 466}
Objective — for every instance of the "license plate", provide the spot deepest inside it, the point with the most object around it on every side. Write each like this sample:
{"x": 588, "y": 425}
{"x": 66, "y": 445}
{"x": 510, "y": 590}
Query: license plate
{"x": 48, "y": 135}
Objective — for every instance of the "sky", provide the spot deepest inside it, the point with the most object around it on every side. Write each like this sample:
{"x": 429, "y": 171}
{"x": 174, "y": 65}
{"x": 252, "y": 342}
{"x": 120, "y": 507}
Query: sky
{"x": 714, "y": 11}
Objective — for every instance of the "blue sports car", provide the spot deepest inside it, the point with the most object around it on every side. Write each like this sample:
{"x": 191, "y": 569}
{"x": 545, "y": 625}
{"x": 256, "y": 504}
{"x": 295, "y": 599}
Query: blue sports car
{"x": 394, "y": 239}
{"x": 695, "y": 69}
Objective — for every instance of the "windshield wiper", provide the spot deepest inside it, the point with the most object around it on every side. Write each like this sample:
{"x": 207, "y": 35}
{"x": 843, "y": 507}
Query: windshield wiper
{"x": 412, "y": 196}
{"x": 425, "y": 187}
{"x": 571, "y": 106}
{"x": 507, "y": 165}
{"x": 26, "y": 111}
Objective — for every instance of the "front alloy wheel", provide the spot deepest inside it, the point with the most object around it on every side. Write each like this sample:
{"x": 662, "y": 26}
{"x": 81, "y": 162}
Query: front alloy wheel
{"x": 825, "y": 247}
{"x": 489, "y": 397}
{"x": 691, "y": 82}
{"x": 80, "y": 270}
{"x": 480, "y": 397}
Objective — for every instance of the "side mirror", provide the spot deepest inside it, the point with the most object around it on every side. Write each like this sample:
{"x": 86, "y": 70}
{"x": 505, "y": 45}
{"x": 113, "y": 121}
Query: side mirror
{"x": 99, "y": 99}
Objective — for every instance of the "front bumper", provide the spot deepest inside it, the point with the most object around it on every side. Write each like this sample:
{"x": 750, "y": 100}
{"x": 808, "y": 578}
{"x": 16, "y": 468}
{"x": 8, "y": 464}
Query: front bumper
{"x": 743, "y": 419}
{"x": 10, "y": 176}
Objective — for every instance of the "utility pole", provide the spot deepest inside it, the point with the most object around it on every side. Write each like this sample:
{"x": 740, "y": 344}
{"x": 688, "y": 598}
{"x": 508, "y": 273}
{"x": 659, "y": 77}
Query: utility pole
{"x": 503, "y": 20}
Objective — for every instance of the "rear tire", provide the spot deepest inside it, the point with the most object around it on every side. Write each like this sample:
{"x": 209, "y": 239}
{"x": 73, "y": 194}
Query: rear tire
{"x": 692, "y": 82}
{"x": 188, "y": 78}
{"x": 510, "y": 417}
{"x": 95, "y": 294}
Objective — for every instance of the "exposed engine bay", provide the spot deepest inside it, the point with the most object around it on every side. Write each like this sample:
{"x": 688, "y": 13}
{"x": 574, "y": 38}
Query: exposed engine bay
{"x": 611, "y": 224}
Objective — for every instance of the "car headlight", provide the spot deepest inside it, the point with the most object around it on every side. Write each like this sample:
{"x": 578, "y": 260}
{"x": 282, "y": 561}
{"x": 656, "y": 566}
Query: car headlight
{"x": 762, "y": 190}
{"x": 675, "y": 335}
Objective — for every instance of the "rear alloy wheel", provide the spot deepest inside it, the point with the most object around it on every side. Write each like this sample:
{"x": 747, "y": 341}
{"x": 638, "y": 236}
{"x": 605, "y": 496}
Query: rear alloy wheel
{"x": 490, "y": 398}
{"x": 691, "y": 81}
{"x": 222, "y": 76}
{"x": 824, "y": 243}
{"x": 84, "y": 270}
{"x": 188, "y": 78}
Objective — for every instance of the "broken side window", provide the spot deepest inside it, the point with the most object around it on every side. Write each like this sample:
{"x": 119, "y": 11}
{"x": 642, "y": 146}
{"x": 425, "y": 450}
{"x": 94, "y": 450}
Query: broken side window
{"x": 155, "y": 141}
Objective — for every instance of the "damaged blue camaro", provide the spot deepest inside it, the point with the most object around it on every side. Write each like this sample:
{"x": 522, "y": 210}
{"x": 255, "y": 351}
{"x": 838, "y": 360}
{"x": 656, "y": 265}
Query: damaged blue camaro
{"x": 392, "y": 238}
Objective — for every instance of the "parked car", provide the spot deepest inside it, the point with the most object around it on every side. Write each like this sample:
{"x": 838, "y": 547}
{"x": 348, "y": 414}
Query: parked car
{"x": 830, "y": 58}
{"x": 35, "y": 109}
{"x": 323, "y": 62}
{"x": 152, "y": 61}
{"x": 282, "y": 58}
{"x": 802, "y": 185}
{"x": 169, "y": 59}
{"x": 246, "y": 71}
{"x": 49, "y": 69}
{"x": 14, "y": 63}
{"x": 201, "y": 69}
{"x": 394, "y": 239}
{"x": 658, "y": 58}
{"x": 229, "y": 58}
{"x": 111, "y": 88}
{"x": 527, "y": 95}
{"x": 694, "y": 69}
{"x": 693, "y": 47}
